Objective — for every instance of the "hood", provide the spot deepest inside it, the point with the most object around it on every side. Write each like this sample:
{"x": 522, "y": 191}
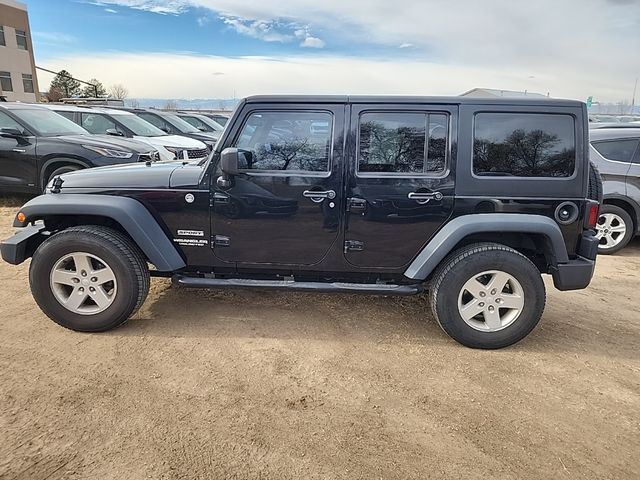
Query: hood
{"x": 134, "y": 175}
{"x": 106, "y": 141}
{"x": 141, "y": 176}
{"x": 205, "y": 136}
{"x": 173, "y": 141}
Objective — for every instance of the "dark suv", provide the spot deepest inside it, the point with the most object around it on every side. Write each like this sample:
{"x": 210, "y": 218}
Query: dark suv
{"x": 616, "y": 152}
{"x": 37, "y": 144}
{"x": 470, "y": 199}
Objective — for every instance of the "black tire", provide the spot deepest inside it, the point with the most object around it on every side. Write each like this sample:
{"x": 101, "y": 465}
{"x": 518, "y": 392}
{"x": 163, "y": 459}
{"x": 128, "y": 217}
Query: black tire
{"x": 60, "y": 171}
{"x": 595, "y": 191}
{"x": 121, "y": 255}
{"x": 469, "y": 262}
{"x": 625, "y": 218}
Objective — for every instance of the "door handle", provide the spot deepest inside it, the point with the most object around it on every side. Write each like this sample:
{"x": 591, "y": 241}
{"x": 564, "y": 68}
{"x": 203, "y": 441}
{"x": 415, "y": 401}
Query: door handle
{"x": 19, "y": 150}
{"x": 318, "y": 196}
{"x": 424, "y": 197}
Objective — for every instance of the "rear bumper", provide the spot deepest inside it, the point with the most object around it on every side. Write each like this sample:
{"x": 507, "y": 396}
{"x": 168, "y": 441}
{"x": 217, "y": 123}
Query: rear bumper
{"x": 18, "y": 248}
{"x": 577, "y": 273}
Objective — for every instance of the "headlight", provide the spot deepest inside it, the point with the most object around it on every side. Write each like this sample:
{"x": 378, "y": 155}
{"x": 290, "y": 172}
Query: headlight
{"x": 109, "y": 152}
{"x": 178, "y": 152}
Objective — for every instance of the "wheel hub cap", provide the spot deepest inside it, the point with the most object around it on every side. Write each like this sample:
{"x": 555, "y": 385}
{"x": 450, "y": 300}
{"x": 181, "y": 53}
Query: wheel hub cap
{"x": 83, "y": 283}
{"x": 491, "y": 300}
{"x": 611, "y": 229}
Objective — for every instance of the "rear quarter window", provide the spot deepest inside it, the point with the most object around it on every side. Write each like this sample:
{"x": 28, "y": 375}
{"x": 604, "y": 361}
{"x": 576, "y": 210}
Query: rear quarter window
{"x": 524, "y": 145}
{"x": 618, "y": 150}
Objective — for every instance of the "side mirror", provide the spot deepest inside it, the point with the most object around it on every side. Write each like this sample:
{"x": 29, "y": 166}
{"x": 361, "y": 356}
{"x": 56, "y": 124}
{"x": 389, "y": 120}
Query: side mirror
{"x": 11, "y": 133}
{"x": 202, "y": 129}
{"x": 113, "y": 131}
{"x": 229, "y": 161}
{"x": 165, "y": 129}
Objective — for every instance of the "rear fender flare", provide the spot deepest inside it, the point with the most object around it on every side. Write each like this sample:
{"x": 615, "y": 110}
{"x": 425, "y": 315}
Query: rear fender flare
{"x": 457, "y": 229}
{"x": 134, "y": 218}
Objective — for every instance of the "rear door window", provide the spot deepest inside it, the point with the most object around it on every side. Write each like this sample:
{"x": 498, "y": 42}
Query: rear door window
{"x": 621, "y": 150}
{"x": 524, "y": 145}
{"x": 404, "y": 143}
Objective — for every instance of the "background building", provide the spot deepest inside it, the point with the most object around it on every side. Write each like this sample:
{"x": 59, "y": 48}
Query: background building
{"x": 18, "y": 81}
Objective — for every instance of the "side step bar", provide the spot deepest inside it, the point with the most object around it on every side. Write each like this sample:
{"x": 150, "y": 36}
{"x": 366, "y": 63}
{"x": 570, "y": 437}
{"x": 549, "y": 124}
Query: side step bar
{"x": 319, "y": 287}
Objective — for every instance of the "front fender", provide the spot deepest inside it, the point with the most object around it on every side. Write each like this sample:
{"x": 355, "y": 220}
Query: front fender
{"x": 130, "y": 214}
{"x": 460, "y": 227}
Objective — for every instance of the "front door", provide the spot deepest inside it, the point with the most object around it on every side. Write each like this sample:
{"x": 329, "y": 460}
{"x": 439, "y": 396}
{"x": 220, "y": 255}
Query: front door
{"x": 400, "y": 181}
{"x": 18, "y": 169}
{"x": 283, "y": 208}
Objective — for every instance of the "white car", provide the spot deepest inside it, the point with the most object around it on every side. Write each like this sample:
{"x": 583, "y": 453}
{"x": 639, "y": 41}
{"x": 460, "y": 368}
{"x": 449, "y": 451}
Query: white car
{"x": 111, "y": 121}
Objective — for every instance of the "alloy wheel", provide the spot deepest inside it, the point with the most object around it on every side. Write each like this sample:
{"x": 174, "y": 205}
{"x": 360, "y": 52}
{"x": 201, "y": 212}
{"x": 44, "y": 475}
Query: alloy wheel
{"x": 491, "y": 301}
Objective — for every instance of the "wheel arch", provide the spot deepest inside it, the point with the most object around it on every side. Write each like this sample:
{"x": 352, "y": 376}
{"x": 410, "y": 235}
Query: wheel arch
{"x": 53, "y": 163}
{"x": 532, "y": 235}
{"x": 628, "y": 205}
{"x": 122, "y": 213}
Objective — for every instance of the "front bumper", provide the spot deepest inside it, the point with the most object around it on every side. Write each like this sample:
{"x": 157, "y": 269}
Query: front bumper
{"x": 577, "y": 273}
{"x": 21, "y": 246}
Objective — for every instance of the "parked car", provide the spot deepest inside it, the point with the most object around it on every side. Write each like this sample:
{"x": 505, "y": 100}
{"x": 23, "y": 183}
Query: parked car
{"x": 494, "y": 216}
{"x": 172, "y": 124}
{"x": 218, "y": 117}
{"x": 119, "y": 123}
{"x": 616, "y": 153}
{"x": 202, "y": 122}
{"x": 37, "y": 144}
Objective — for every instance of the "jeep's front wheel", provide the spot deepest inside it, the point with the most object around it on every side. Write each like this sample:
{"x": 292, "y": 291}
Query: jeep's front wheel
{"x": 487, "y": 295}
{"x": 89, "y": 278}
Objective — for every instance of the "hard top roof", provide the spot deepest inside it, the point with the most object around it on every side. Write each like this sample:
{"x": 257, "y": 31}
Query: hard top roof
{"x": 399, "y": 99}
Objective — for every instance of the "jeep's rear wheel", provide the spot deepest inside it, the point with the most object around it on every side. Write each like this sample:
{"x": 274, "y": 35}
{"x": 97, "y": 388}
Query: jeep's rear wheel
{"x": 487, "y": 295}
{"x": 614, "y": 229}
{"x": 89, "y": 278}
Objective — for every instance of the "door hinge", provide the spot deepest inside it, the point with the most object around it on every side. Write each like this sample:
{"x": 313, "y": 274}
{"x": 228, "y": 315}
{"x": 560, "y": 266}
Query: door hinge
{"x": 219, "y": 198}
{"x": 353, "y": 246}
{"x": 356, "y": 205}
{"x": 221, "y": 241}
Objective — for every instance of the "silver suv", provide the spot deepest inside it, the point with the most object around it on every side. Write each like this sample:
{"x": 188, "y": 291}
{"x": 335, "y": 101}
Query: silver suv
{"x": 616, "y": 152}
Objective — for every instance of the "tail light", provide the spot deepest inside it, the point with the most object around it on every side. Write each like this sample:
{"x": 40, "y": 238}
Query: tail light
{"x": 591, "y": 219}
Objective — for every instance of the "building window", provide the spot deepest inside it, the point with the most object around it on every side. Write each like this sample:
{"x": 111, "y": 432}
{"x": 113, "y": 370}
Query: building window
{"x": 2, "y": 42}
{"x": 5, "y": 82}
{"x": 21, "y": 39}
{"x": 524, "y": 145}
{"x": 27, "y": 83}
{"x": 402, "y": 143}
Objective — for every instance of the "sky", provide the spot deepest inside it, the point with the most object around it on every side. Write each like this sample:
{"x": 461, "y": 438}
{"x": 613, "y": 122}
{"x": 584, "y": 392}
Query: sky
{"x": 234, "y": 48}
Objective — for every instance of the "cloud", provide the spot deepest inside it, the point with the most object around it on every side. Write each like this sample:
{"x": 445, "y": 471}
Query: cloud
{"x": 110, "y": 10}
{"x": 54, "y": 37}
{"x": 260, "y": 29}
{"x": 194, "y": 76}
{"x": 588, "y": 40}
{"x": 405, "y": 45}
{"x": 202, "y": 21}
{"x": 312, "y": 42}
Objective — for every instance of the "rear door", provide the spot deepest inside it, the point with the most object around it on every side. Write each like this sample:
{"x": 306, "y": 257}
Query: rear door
{"x": 400, "y": 181}
{"x": 283, "y": 208}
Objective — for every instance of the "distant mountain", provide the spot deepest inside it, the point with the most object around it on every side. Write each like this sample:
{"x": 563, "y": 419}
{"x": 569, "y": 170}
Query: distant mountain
{"x": 181, "y": 103}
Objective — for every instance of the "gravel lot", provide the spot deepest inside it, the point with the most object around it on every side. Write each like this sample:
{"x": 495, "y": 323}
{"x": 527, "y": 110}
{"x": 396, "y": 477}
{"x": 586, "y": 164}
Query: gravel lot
{"x": 205, "y": 384}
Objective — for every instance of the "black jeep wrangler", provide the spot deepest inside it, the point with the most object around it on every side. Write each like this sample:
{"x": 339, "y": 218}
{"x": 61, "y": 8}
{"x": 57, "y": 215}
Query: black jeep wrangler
{"x": 470, "y": 199}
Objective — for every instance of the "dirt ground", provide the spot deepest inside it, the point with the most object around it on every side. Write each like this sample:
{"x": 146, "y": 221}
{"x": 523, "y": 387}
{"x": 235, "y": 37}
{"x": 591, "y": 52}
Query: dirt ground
{"x": 205, "y": 384}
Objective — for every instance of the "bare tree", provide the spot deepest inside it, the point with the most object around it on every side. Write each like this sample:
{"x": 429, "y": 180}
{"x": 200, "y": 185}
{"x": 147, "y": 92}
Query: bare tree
{"x": 170, "y": 105}
{"x": 133, "y": 103}
{"x": 118, "y": 91}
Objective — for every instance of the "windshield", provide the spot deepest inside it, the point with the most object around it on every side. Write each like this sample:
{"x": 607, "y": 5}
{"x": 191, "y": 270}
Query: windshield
{"x": 180, "y": 124}
{"x": 48, "y": 123}
{"x": 139, "y": 126}
{"x": 215, "y": 126}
